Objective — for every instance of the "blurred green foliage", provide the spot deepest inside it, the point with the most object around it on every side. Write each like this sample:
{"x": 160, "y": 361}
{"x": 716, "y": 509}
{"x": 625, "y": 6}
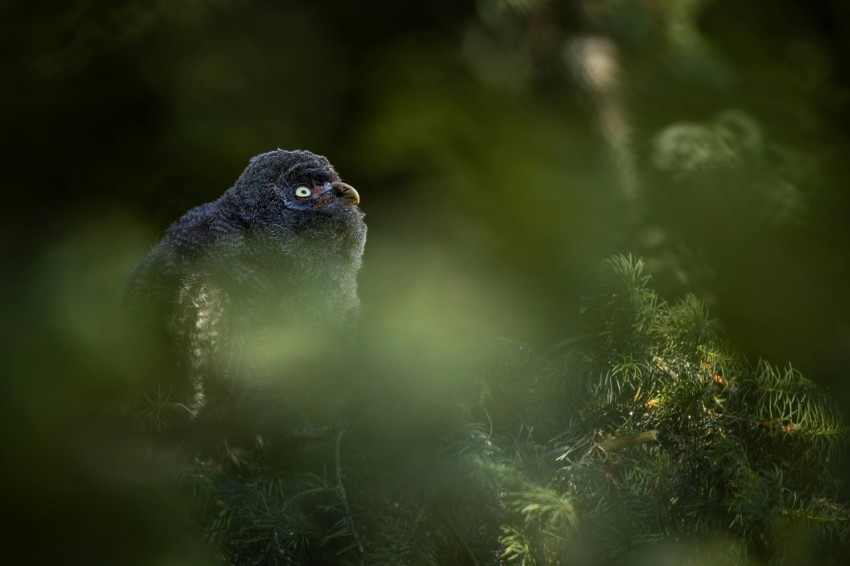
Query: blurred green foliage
{"x": 502, "y": 149}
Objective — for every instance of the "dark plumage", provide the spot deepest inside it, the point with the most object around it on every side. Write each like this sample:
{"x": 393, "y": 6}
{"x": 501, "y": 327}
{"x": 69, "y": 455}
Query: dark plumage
{"x": 275, "y": 258}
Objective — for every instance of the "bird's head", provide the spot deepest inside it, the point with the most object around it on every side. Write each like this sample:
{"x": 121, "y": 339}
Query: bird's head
{"x": 298, "y": 181}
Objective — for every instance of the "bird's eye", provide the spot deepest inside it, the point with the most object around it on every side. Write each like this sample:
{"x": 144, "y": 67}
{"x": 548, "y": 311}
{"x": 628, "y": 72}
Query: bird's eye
{"x": 303, "y": 191}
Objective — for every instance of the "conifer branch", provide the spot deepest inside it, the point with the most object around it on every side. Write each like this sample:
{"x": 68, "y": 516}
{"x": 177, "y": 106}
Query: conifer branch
{"x": 628, "y": 440}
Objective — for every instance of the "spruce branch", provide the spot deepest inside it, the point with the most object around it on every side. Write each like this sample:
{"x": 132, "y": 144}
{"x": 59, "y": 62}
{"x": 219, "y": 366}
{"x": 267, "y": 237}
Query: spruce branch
{"x": 627, "y": 441}
{"x": 720, "y": 444}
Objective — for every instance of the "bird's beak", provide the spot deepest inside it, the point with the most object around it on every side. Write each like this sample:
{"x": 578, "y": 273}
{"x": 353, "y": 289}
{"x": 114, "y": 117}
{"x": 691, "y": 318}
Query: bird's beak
{"x": 346, "y": 191}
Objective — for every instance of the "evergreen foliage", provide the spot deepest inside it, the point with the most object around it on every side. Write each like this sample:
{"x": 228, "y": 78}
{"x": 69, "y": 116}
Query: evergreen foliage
{"x": 648, "y": 433}
{"x": 679, "y": 439}
{"x": 502, "y": 147}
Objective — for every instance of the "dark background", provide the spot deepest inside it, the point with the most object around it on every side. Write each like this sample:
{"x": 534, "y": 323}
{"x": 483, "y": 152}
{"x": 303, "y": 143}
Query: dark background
{"x": 491, "y": 190}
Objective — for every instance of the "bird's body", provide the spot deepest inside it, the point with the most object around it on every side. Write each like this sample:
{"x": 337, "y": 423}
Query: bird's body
{"x": 274, "y": 260}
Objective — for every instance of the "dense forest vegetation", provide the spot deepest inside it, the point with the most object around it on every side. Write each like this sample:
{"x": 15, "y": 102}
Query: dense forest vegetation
{"x": 604, "y": 316}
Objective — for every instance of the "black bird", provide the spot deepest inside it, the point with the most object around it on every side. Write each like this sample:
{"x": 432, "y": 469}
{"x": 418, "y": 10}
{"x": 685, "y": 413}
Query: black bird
{"x": 270, "y": 267}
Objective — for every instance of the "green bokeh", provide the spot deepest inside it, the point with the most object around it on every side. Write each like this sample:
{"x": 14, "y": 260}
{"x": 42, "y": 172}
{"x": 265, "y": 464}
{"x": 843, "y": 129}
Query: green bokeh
{"x": 496, "y": 170}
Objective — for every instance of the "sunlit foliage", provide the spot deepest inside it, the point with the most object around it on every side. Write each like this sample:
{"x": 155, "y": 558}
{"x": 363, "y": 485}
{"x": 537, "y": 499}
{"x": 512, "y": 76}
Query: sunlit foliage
{"x": 501, "y": 148}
